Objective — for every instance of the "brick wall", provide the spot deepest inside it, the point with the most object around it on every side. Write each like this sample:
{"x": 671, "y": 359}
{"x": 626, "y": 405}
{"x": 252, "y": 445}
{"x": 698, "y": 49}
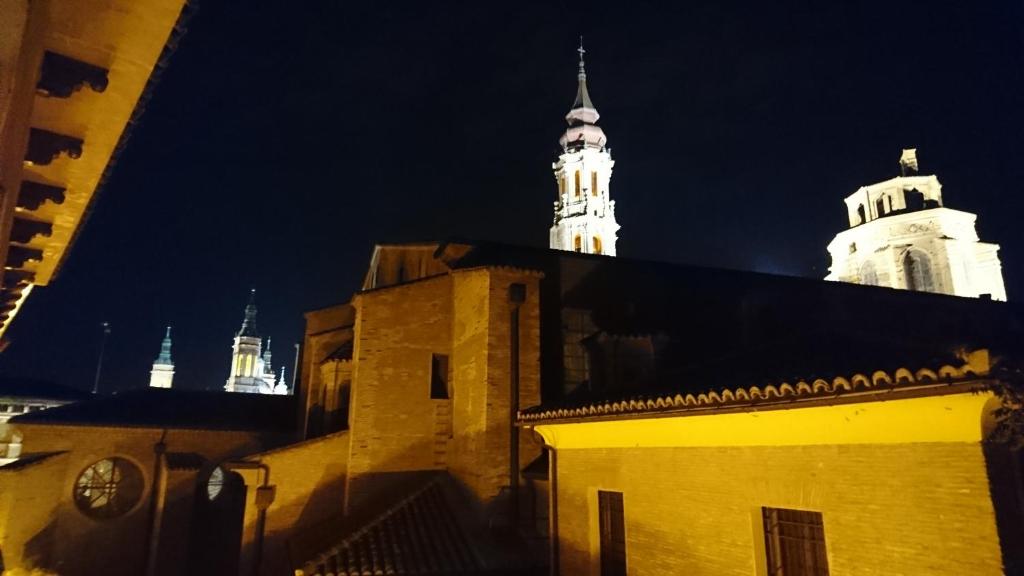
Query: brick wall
{"x": 887, "y": 508}
{"x": 392, "y": 417}
{"x": 481, "y": 360}
{"x": 310, "y": 484}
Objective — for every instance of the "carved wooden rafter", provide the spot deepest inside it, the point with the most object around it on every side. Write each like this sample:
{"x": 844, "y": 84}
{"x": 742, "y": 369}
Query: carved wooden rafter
{"x": 44, "y": 146}
{"x": 61, "y": 76}
{"x": 32, "y": 195}
{"x": 17, "y": 256}
{"x": 24, "y": 230}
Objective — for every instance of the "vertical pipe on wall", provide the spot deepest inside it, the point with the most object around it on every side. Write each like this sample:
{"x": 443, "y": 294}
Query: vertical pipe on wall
{"x": 157, "y": 499}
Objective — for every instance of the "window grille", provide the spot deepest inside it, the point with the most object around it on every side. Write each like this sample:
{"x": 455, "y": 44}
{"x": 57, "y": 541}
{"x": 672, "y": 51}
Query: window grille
{"x": 108, "y": 488}
{"x": 794, "y": 542}
{"x": 613, "y": 533}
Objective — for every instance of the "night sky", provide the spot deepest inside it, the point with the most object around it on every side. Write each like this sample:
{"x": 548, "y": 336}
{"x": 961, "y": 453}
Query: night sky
{"x": 285, "y": 139}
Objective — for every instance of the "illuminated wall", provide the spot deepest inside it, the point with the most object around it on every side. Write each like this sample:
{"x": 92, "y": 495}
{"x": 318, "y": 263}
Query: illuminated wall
{"x": 901, "y": 485}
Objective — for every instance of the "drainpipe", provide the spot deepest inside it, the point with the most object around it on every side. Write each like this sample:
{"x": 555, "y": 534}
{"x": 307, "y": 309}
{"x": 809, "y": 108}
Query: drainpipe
{"x": 264, "y": 498}
{"x": 516, "y": 297}
{"x": 158, "y": 497}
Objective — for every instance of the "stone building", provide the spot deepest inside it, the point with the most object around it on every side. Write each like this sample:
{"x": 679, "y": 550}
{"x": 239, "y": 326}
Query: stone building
{"x": 74, "y": 79}
{"x": 162, "y": 374}
{"x": 902, "y": 236}
{"x": 584, "y": 212}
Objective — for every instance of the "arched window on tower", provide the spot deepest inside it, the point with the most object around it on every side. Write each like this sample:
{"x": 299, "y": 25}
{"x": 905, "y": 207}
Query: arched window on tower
{"x": 577, "y": 243}
{"x": 860, "y": 214}
{"x": 880, "y": 207}
{"x": 917, "y": 271}
{"x": 597, "y": 245}
{"x": 561, "y": 185}
{"x": 593, "y": 183}
{"x": 868, "y": 274}
{"x": 577, "y": 183}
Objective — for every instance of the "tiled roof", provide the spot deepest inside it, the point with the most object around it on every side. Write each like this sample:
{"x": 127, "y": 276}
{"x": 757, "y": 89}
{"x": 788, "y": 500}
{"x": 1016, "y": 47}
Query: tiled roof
{"x": 419, "y": 535}
{"x": 976, "y": 364}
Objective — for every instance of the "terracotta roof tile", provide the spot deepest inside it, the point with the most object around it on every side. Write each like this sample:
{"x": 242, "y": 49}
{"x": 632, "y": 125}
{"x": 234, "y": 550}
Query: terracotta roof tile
{"x": 976, "y": 364}
{"x": 419, "y": 535}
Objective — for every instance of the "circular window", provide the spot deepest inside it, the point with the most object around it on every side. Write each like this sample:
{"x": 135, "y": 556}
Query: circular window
{"x": 108, "y": 488}
{"x": 215, "y": 484}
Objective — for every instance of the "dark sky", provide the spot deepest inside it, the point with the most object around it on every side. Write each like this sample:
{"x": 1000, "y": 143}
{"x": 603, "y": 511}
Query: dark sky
{"x": 285, "y": 139}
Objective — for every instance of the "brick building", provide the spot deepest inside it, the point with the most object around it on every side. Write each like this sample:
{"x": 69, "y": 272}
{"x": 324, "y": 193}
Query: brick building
{"x": 479, "y": 408}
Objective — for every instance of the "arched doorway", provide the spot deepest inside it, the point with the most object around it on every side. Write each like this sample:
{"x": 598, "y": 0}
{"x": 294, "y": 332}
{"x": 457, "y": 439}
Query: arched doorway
{"x": 216, "y": 535}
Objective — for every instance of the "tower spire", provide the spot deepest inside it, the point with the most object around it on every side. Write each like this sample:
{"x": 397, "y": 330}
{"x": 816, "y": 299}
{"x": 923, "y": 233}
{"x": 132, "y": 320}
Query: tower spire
{"x": 165, "y": 350}
{"x": 162, "y": 374}
{"x": 582, "y": 103}
{"x": 249, "y": 323}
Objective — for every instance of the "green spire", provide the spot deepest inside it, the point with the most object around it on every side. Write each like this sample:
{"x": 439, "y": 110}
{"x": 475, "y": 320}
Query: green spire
{"x": 165, "y": 350}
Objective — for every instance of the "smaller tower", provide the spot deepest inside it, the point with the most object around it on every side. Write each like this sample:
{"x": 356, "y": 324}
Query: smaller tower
{"x": 163, "y": 367}
{"x": 267, "y": 370}
{"x": 282, "y": 386}
{"x": 246, "y": 373}
{"x": 901, "y": 235}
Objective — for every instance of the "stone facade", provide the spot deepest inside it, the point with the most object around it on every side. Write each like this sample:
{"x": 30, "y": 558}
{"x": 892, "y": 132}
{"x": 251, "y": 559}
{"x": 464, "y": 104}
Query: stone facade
{"x": 901, "y": 236}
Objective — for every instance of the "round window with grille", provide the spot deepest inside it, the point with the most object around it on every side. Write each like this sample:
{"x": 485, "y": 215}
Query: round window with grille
{"x": 108, "y": 488}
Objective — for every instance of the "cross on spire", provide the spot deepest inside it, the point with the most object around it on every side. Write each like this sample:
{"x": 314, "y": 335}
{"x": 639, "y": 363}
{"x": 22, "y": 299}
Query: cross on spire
{"x": 580, "y": 49}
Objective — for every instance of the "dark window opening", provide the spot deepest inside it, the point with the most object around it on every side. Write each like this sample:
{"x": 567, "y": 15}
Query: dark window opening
{"x": 913, "y": 199}
{"x": 860, "y": 214}
{"x": 439, "y": 377}
{"x": 794, "y": 542}
{"x": 880, "y": 207}
{"x": 612, "y": 525}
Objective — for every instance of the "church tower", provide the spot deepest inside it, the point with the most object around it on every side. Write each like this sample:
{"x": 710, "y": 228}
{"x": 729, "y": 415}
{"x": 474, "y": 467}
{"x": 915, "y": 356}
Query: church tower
{"x": 246, "y": 373}
{"x": 902, "y": 236}
{"x": 584, "y": 212}
{"x": 163, "y": 368}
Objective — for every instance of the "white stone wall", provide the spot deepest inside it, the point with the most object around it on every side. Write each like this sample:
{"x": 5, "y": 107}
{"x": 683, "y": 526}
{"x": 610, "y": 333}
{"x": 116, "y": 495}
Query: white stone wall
{"x": 585, "y": 215}
{"x": 959, "y": 263}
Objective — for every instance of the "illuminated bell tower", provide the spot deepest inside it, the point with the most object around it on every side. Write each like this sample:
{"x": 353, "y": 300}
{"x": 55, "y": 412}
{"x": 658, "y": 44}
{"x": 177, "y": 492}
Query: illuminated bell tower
{"x": 163, "y": 367}
{"x": 584, "y": 212}
{"x": 246, "y": 363}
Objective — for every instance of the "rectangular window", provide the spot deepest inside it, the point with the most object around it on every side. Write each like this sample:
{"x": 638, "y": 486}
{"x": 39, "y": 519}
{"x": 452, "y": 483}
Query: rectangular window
{"x": 794, "y": 542}
{"x": 577, "y": 173}
{"x": 612, "y": 526}
{"x": 593, "y": 183}
{"x": 439, "y": 377}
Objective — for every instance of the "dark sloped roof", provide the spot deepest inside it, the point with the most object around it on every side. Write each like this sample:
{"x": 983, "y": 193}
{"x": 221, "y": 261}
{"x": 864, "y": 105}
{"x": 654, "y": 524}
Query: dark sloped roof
{"x": 163, "y": 408}
{"x": 419, "y": 535}
{"x": 40, "y": 389}
{"x": 27, "y": 460}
